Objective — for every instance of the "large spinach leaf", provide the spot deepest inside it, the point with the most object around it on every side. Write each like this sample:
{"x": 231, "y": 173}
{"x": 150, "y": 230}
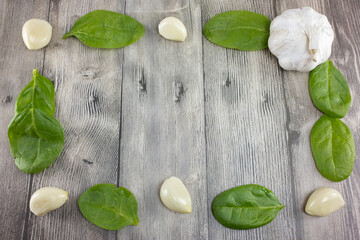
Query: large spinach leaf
{"x": 242, "y": 30}
{"x": 329, "y": 90}
{"x": 246, "y": 207}
{"x": 109, "y": 207}
{"x": 36, "y": 137}
{"x": 106, "y": 29}
{"x": 333, "y": 148}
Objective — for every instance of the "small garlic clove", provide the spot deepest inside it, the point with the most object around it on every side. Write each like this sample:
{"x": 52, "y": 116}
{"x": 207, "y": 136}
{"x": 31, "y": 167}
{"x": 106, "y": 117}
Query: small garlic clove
{"x": 323, "y": 202}
{"x": 173, "y": 29}
{"x": 175, "y": 196}
{"x": 47, "y": 199}
{"x": 36, "y": 33}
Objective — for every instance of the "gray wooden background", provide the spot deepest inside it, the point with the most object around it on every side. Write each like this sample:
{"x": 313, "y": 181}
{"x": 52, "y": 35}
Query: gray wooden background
{"x": 214, "y": 117}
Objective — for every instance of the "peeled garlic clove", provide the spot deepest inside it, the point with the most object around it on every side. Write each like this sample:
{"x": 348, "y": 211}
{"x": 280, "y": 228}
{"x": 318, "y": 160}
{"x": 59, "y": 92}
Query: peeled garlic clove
{"x": 173, "y": 29}
{"x": 36, "y": 33}
{"x": 324, "y": 201}
{"x": 47, "y": 199}
{"x": 175, "y": 196}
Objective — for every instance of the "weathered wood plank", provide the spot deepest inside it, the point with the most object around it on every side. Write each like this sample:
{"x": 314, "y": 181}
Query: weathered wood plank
{"x": 88, "y": 87}
{"x": 343, "y": 224}
{"x": 139, "y": 126}
{"x": 246, "y": 126}
{"x": 163, "y": 122}
{"x": 16, "y": 65}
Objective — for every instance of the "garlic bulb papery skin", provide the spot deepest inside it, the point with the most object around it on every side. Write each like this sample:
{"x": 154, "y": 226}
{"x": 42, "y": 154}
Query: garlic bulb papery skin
{"x": 301, "y": 39}
{"x": 175, "y": 196}
{"x": 323, "y": 202}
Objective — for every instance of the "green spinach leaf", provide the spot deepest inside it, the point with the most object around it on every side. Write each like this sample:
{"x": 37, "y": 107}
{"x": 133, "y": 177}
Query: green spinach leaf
{"x": 109, "y": 207}
{"x": 329, "y": 90}
{"x": 36, "y": 137}
{"x": 39, "y": 94}
{"x": 333, "y": 148}
{"x": 242, "y": 30}
{"x": 106, "y": 29}
{"x": 246, "y": 207}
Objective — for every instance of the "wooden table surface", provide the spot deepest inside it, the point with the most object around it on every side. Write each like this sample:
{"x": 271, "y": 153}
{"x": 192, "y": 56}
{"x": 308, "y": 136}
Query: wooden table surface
{"x": 214, "y": 117}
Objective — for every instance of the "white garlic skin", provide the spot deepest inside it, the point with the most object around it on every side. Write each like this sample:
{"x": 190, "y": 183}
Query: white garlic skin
{"x": 36, "y": 33}
{"x": 301, "y": 39}
{"x": 173, "y": 29}
{"x": 323, "y": 202}
{"x": 47, "y": 199}
{"x": 175, "y": 196}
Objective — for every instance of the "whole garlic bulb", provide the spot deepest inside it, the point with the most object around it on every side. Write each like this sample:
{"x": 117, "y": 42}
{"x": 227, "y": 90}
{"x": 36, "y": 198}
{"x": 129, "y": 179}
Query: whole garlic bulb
{"x": 301, "y": 39}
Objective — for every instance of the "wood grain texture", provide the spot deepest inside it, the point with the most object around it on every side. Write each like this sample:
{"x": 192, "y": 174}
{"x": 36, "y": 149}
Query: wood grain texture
{"x": 163, "y": 121}
{"x": 16, "y": 65}
{"x": 88, "y": 93}
{"x": 214, "y": 117}
{"x": 302, "y": 115}
{"x": 246, "y": 126}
